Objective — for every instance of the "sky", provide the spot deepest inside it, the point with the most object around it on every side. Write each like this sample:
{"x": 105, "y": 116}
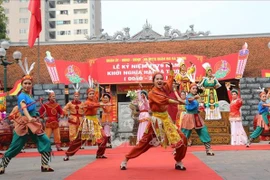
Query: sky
{"x": 218, "y": 17}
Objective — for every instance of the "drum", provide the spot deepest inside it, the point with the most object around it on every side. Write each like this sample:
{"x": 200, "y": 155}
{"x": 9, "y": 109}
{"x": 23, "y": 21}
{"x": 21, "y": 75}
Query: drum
{"x": 64, "y": 132}
{"x": 5, "y": 135}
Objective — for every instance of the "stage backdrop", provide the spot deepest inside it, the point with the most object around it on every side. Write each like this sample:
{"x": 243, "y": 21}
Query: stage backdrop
{"x": 130, "y": 69}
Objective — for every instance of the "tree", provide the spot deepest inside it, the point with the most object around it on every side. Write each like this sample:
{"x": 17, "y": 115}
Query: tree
{"x": 3, "y": 22}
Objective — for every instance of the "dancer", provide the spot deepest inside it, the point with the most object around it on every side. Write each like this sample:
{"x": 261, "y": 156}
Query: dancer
{"x": 160, "y": 130}
{"x": 74, "y": 110}
{"x": 192, "y": 120}
{"x": 144, "y": 113}
{"x": 262, "y": 121}
{"x": 185, "y": 76}
{"x": 89, "y": 129}
{"x": 28, "y": 125}
{"x": 238, "y": 134}
{"x": 50, "y": 111}
{"x": 209, "y": 84}
{"x": 106, "y": 118}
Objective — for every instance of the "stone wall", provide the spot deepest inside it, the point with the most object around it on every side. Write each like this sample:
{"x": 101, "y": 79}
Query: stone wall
{"x": 39, "y": 92}
{"x": 249, "y": 93}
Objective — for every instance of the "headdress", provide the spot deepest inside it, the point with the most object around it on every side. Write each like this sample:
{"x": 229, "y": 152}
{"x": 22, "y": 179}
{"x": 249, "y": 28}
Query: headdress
{"x": 262, "y": 92}
{"x": 51, "y": 92}
{"x": 234, "y": 91}
{"x": 207, "y": 66}
{"x": 107, "y": 94}
{"x": 90, "y": 85}
{"x": 77, "y": 89}
{"x": 193, "y": 84}
{"x": 26, "y": 70}
{"x": 180, "y": 62}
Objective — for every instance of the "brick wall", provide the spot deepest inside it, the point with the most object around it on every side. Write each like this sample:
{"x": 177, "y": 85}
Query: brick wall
{"x": 250, "y": 96}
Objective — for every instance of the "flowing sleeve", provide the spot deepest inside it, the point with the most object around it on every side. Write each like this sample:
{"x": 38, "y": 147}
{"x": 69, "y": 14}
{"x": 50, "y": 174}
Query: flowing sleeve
{"x": 229, "y": 95}
{"x": 217, "y": 84}
{"x": 169, "y": 83}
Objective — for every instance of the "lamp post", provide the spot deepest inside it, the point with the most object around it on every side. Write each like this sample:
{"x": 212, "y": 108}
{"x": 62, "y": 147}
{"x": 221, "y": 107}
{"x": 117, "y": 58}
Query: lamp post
{"x": 4, "y": 62}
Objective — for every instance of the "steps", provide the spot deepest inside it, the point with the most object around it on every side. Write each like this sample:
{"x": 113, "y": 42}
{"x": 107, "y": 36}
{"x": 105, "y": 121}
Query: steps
{"x": 219, "y": 130}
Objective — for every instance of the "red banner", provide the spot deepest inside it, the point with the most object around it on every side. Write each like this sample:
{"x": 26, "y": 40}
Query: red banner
{"x": 133, "y": 69}
{"x": 265, "y": 73}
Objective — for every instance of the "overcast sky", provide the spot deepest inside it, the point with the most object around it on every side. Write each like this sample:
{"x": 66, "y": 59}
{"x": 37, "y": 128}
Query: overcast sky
{"x": 222, "y": 17}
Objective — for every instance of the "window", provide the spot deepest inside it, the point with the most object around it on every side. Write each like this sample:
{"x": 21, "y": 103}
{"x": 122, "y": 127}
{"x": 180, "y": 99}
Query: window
{"x": 6, "y": 1}
{"x": 62, "y": 22}
{"x": 79, "y": 1}
{"x": 64, "y": 12}
{"x": 24, "y": 0}
{"x": 23, "y": 10}
{"x": 93, "y": 16}
{"x": 93, "y": 26}
{"x": 63, "y": 33}
{"x": 93, "y": 7}
{"x": 80, "y": 31}
{"x": 80, "y": 11}
{"x": 23, "y": 31}
{"x": 23, "y": 20}
{"x": 80, "y": 21}
{"x": 6, "y": 11}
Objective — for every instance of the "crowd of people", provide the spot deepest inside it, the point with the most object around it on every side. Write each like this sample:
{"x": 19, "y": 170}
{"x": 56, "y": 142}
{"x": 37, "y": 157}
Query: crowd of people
{"x": 167, "y": 115}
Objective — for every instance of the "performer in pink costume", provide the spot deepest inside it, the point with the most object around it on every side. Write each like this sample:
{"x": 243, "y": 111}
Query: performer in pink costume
{"x": 144, "y": 113}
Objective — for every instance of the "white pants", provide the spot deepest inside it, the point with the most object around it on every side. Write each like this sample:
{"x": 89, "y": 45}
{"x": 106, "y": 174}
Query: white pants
{"x": 238, "y": 134}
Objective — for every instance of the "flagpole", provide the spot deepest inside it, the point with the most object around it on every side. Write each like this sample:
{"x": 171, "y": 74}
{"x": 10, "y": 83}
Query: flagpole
{"x": 38, "y": 59}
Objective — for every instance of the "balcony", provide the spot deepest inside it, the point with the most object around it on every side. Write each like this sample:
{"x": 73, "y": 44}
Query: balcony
{"x": 51, "y": 4}
{"x": 52, "y": 24}
{"x": 52, "y": 34}
{"x": 52, "y": 14}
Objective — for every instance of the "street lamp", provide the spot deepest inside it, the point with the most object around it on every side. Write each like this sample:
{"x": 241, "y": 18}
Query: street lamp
{"x": 4, "y": 62}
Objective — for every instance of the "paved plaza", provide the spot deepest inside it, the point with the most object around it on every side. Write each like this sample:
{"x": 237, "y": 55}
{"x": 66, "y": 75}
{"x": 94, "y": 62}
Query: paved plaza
{"x": 230, "y": 165}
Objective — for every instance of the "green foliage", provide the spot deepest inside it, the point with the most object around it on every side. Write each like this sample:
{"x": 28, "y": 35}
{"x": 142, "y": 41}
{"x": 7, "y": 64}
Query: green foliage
{"x": 3, "y": 22}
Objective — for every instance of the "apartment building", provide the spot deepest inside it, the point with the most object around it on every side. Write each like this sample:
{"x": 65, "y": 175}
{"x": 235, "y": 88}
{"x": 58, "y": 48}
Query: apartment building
{"x": 62, "y": 20}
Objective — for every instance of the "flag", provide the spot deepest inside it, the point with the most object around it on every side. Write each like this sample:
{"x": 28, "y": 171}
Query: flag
{"x": 35, "y": 22}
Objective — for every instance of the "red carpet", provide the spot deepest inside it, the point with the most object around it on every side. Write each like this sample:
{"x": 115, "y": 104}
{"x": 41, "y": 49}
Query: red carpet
{"x": 156, "y": 164}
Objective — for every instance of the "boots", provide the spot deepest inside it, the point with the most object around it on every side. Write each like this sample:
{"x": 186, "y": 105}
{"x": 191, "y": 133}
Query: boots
{"x": 249, "y": 142}
{"x": 180, "y": 166}
{"x": 4, "y": 164}
{"x": 123, "y": 165}
{"x": 209, "y": 151}
{"x": 45, "y": 157}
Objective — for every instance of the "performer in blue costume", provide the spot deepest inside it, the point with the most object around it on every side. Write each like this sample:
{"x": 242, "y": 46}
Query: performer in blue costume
{"x": 192, "y": 120}
{"x": 27, "y": 125}
{"x": 262, "y": 121}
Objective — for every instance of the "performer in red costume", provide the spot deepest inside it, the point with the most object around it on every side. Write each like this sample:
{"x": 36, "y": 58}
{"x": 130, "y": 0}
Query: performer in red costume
{"x": 90, "y": 128}
{"x": 50, "y": 111}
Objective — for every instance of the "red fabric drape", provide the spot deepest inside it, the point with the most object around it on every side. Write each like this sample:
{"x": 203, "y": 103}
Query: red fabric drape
{"x": 35, "y": 23}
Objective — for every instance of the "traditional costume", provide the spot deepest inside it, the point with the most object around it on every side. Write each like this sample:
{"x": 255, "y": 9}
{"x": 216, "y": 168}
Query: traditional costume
{"x": 144, "y": 116}
{"x": 74, "y": 110}
{"x": 192, "y": 120}
{"x": 185, "y": 76}
{"x": 160, "y": 130}
{"x": 90, "y": 128}
{"x": 238, "y": 134}
{"x": 262, "y": 119}
{"x": 210, "y": 84}
{"x": 27, "y": 125}
{"x": 51, "y": 111}
{"x": 106, "y": 119}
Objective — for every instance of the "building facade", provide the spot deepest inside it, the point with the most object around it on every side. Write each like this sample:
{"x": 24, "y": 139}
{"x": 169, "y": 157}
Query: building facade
{"x": 62, "y": 20}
